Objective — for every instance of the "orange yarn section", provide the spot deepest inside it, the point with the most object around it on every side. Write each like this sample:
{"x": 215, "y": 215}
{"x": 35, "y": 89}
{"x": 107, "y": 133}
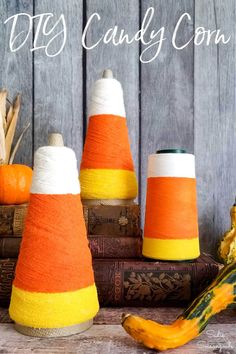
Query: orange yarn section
{"x": 107, "y": 144}
{"x": 54, "y": 254}
{"x": 171, "y": 208}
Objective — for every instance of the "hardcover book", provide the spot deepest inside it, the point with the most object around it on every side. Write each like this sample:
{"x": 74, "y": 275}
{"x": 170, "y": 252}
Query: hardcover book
{"x": 12, "y": 219}
{"x": 113, "y": 220}
{"x": 137, "y": 282}
{"x": 100, "y": 246}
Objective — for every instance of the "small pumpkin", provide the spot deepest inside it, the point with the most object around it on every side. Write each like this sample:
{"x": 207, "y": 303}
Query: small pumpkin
{"x": 15, "y": 180}
{"x": 217, "y": 297}
{"x": 227, "y": 247}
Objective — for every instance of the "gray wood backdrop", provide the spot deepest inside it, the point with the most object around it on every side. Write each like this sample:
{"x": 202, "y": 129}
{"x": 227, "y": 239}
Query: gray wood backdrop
{"x": 182, "y": 99}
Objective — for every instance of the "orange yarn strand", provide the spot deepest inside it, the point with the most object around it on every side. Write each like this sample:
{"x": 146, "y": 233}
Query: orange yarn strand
{"x": 53, "y": 223}
{"x": 171, "y": 208}
{"x": 107, "y": 144}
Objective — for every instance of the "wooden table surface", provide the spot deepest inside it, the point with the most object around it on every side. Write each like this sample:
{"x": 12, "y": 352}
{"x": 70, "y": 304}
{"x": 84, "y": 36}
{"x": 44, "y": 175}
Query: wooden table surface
{"x": 107, "y": 336}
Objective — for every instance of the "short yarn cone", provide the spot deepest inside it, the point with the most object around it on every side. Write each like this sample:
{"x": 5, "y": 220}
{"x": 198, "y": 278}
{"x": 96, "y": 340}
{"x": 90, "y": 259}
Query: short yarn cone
{"x": 54, "y": 291}
{"x": 107, "y": 168}
{"x": 171, "y": 223}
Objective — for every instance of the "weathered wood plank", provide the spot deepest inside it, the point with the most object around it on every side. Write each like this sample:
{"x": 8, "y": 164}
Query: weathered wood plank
{"x": 113, "y": 339}
{"x": 122, "y": 59}
{"x": 16, "y": 70}
{"x": 112, "y": 315}
{"x": 167, "y": 85}
{"x": 215, "y": 123}
{"x": 58, "y": 86}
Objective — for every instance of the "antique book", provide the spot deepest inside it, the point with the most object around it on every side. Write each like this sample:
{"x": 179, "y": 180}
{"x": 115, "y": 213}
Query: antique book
{"x": 7, "y": 270}
{"x": 138, "y": 282}
{"x": 115, "y": 247}
{"x": 112, "y": 220}
{"x": 12, "y": 219}
{"x": 100, "y": 246}
{"x": 152, "y": 283}
{"x": 9, "y": 247}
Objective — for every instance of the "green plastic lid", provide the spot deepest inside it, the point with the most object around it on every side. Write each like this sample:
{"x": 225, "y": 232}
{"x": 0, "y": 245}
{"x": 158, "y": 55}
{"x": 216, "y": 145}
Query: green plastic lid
{"x": 171, "y": 151}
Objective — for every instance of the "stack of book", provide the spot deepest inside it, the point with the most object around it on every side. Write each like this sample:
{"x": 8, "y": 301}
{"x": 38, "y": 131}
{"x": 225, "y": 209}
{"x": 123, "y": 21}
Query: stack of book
{"x": 122, "y": 276}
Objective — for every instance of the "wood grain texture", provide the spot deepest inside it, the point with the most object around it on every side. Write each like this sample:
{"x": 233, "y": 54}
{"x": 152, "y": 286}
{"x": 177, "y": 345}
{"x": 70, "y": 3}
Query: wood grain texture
{"x": 112, "y": 339}
{"x": 16, "y": 71}
{"x": 167, "y": 86}
{"x": 215, "y": 122}
{"x": 183, "y": 98}
{"x": 122, "y": 59}
{"x": 58, "y": 85}
{"x": 112, "y": 315}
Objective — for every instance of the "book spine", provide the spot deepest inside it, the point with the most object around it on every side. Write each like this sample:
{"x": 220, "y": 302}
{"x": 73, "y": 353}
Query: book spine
{"x": 115, "y": 247}
{"x": 100, "y": 246}
{"x": 100, "y": 220}
{"x": 135, "y": 283}
{"x": 113, "y": 220}
{"x": 124, "y": 283}
{"x": 12, "y": 219}
{"x": 7, "y": 271}
{"x": 9, "y": 247}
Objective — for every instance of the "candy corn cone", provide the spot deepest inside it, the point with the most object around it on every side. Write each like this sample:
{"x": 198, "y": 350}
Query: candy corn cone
{"x": 171, "y": 225}
{"x": 54, "y": 292}
{"x": 107, "y": 169}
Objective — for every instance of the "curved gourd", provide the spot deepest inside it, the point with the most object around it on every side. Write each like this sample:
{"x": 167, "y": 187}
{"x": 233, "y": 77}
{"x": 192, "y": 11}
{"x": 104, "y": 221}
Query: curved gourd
{"x": 227, "y": 247}
{"x": 216, "y": 297}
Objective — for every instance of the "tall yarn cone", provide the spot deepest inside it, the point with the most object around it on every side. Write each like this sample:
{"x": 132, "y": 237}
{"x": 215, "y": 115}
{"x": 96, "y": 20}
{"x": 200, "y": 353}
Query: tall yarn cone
{"x": 53, "y": 292}
{"x": 107, "y": 168}
{"x": 171, "y": 225}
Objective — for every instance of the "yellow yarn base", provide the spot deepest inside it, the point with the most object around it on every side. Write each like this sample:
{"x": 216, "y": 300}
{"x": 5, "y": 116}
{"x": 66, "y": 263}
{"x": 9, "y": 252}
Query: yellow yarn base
{"x": 45, "y": 310}
{"x": 171, "y": 250}
{"x": 108, "y": 184}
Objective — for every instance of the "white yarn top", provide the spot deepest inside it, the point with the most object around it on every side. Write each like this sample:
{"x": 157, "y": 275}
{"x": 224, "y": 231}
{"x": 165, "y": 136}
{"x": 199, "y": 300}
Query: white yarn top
{"x": 107, "y": 98}
{"x": 55, "y": 171}
{"x": 171, "y": 165}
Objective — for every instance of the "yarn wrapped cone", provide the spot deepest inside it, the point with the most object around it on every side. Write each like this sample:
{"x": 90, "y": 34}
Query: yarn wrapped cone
{"x": 53, "y": 292}
{"x": 171, "y": 219}
{"x": 107, "y": 168}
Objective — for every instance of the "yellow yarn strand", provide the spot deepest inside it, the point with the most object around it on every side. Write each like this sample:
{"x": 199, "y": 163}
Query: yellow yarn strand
{"x": 172, "y": 250}
{"x": 108, "y": 184}
{"x": 53, "y": 310}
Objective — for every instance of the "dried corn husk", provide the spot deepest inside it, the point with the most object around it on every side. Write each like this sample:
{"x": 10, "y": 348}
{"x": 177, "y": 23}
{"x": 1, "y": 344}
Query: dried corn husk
{"x": 8, "y": 122}
{"x": 2, "y": 141}
{"x": 3, "y": 101}
{"x": 12, "y": 128}
{"x": 9, "y": 117}
{"x": 18, "y": 144}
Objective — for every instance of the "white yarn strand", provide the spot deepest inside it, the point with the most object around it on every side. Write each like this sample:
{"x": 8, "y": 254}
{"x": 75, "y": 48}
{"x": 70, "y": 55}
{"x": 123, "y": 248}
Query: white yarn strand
{"x": 55, "y": 171}
{"x": 107, "y": 98}
{"x": 171, "y": 165}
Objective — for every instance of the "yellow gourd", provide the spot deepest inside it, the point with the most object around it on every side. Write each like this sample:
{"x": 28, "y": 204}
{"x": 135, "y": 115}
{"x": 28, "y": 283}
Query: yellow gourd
{"x": 193, "y": 320}
{"x": 227, "y": 248}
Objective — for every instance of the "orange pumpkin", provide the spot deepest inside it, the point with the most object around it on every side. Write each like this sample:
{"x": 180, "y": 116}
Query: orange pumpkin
{"x": 15, "y": 182}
